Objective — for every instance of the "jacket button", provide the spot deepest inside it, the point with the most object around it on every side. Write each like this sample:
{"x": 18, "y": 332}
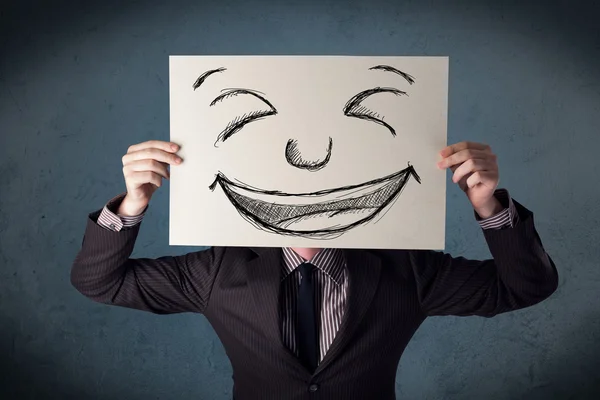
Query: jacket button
{"x": 313, "y": 388}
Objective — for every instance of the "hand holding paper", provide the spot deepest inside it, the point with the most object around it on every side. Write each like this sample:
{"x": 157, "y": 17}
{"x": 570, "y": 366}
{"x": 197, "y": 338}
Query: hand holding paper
{"x": 475, "y": 170}
{"x": 144, "y": 167}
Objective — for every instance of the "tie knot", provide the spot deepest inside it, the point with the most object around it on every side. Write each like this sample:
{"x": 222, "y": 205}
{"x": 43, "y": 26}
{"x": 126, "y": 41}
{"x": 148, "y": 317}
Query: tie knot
{"x": 306, "y": 270}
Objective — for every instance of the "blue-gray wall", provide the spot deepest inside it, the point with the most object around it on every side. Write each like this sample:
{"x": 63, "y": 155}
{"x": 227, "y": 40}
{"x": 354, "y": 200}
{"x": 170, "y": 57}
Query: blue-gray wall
{"x": 80, "y": 82}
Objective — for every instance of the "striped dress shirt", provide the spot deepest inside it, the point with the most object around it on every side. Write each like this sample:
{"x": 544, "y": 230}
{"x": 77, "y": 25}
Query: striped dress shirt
{"x": 330, "y": 273}
{"x": 330, "y": 277}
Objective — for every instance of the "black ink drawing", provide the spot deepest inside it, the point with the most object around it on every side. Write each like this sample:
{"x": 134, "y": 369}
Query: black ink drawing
{"x": 410, "y": 79}
{"x": 294, "y": 157}
{"x": 284, "y": 213}
{"x": 365, "y": 201}
{"x": 205, "y": 75}
{"x": 240, "y": 121}
{"x": 353, "y": 107}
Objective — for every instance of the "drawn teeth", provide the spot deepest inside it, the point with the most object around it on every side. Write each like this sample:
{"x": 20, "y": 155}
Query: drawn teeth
{"x": 284, "y": 214}
{"x": 319, "y": 215}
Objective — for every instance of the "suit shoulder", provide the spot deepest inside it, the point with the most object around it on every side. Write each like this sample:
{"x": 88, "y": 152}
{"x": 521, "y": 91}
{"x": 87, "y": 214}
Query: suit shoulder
{"x": 395, "y": 262}
{"x": 233, "y": 254}
{"x": 391, "y": 256}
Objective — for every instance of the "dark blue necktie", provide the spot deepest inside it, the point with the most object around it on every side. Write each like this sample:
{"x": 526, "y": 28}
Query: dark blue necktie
{"x": 307, "y": 337}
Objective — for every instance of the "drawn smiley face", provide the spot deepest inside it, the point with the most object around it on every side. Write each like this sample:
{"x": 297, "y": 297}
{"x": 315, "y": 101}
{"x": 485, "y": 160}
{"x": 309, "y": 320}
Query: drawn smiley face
{"x": 323, "y": 214}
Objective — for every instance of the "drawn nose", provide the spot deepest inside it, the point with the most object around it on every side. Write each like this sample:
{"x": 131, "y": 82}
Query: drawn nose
{"x": 296, "y": 158}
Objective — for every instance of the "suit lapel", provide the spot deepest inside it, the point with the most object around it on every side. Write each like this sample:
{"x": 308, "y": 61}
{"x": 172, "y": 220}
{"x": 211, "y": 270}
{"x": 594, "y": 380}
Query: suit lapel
{"x": 364, "y": 270}
{"x": 264, "y": 280}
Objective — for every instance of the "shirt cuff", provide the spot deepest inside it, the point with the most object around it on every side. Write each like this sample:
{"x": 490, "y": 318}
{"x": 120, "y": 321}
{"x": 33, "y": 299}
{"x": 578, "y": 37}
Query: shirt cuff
{"x": 507, "y": 218}
{"x": 109, "y": 218}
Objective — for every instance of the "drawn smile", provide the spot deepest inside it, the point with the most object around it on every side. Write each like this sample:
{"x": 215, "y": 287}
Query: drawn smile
{"x": 324, "y": 214}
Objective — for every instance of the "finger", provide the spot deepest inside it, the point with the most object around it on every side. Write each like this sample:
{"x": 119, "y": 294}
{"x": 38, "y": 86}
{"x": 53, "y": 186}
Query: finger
{"x": 155, "y": 144}
{"x": 146, "y": 165}
{"x": 140, "y": 178}
{"x": 453, "y": 148}
{"x": 152, "y": 154}
{"x": 470, "y": 166}
{"x": 464, "y": 155}
{"x": 486, "y": 178}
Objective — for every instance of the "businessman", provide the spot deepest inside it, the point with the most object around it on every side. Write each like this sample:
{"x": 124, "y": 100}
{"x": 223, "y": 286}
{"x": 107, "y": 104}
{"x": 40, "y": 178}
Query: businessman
{"x": 300, "y": 323}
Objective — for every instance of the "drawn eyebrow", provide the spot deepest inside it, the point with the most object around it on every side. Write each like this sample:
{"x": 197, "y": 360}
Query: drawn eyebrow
{"x": 240, "y": 121}
{"x": 354, "y": 109}
{"x": 205, "y": 75}
{"x": 388, "y": 68}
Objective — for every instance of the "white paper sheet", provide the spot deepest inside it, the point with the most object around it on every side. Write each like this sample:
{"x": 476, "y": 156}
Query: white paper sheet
{"x": 308, "y": 151}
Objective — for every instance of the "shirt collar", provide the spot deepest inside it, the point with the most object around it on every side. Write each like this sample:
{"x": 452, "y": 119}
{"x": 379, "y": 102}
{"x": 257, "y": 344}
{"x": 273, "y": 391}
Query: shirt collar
{"x": 330, "y": 261}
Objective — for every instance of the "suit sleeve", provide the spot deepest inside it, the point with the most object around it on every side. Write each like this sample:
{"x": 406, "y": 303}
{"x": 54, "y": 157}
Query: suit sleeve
{"x": 519, "y": 274}
{"x": 104, "y": 272}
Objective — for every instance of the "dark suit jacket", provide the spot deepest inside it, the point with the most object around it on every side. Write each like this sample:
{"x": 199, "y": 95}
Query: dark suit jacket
{"x": 390, "y": 295}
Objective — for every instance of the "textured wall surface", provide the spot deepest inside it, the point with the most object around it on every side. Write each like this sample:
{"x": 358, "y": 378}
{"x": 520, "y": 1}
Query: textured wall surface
{"x": 80, "y": 82}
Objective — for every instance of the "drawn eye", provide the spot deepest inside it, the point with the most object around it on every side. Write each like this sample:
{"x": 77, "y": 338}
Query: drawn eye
{"x": 355, "y": 109}
{"x": 236, "y": 124}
